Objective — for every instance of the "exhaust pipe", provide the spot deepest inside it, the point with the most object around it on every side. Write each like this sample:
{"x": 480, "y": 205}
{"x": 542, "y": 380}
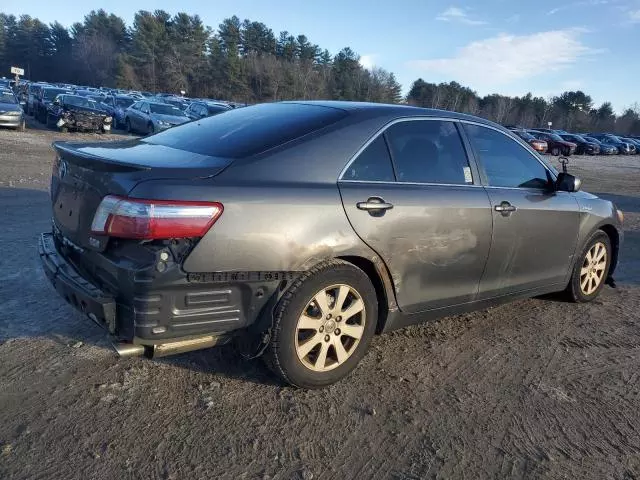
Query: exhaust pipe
{"x": 125, "y": 349}
{"x": 128, "y": 349}
{"x": 183, "y": 346}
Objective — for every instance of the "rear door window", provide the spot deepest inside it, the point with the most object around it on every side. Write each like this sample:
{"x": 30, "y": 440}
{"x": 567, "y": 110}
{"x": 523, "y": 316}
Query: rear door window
{"x": 506, "y": 162}
{"x": 250, "y": 130}
{"x": 373, "y": 164}
{"x": 428, "y": 151}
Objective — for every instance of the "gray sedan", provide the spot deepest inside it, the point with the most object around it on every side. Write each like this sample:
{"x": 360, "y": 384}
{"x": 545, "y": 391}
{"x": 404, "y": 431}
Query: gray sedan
{"x": 150, "y": 117}
{"x": 11, "y": 114}
{"x": 301, "y": 229}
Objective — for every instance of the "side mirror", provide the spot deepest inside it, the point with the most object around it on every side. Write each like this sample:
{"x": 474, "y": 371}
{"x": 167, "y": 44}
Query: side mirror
{"x": 568, "y": 183}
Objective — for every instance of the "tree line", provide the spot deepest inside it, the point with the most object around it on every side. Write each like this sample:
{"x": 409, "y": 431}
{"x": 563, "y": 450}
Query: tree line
{"x": 245, "y": 61}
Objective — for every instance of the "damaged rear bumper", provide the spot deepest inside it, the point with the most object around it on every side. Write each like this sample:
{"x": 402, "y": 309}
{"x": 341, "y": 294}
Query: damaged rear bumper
{"x": 84, "y": 296}
{"x": 167, "y": 312}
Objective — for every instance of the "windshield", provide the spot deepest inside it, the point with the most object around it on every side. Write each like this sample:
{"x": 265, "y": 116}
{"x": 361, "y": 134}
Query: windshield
{"x": 51, "y": 93}
{"x": 96, "y": 98}
{"x": 166, "y": 110}
{"x": 613, "y": 138}
{"x": 592, "y": 140}
{"x": 77, "y": 101}
{"x": 555, "y": 136}
{"x": 213, "y": 109}
{"x": 247, "y": 131}
{"x": 7, "y": 97}
{"x": 124, "y": 102}
{"x": 526, "y": 136}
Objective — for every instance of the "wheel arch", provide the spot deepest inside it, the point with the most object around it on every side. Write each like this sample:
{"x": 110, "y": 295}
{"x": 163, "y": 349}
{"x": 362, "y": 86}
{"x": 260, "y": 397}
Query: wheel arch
{"x": 377, "y": 272}
{"x": 614, "y": 238}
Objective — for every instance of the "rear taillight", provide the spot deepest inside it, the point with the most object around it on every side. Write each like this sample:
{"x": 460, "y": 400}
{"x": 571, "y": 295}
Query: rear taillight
{"x": 153, "y": 219}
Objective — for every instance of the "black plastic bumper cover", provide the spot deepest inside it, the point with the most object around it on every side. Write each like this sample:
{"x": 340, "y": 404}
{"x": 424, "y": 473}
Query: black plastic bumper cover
{"x": 76, "y": 290}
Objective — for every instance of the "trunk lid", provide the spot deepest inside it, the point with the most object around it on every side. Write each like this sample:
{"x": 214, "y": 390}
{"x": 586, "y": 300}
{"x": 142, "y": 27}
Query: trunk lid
{"x": 84, "y": 173}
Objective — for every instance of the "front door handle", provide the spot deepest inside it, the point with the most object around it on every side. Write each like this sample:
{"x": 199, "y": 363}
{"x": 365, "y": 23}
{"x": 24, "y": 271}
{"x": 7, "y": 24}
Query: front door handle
{"x": 505, "y": 208}
{"x": 374, "y": 204}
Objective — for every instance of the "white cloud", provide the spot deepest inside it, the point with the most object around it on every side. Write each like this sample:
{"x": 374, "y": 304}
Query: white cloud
{"x": 368, "y": 61}
{"x": 513, "y": 18}
{"x": 580, "y": 4}
{"x": 634, "y": 16}
{"x": 455, "y": 14}
{"x": 504, "y": 59}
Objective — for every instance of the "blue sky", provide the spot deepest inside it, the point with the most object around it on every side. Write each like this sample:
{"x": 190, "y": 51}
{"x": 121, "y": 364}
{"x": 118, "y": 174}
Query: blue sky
{"x": 493, "y": 46}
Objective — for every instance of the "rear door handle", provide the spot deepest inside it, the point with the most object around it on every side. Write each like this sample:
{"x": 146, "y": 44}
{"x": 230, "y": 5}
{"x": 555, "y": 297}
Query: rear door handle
{"x": 374, "y": 204}
{"x": 505, "y": 208}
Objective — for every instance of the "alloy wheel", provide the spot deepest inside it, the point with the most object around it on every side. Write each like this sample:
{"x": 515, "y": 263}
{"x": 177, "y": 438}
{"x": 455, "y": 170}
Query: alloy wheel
{"x": 330, "y": 327}
{"x": 593, "y": 268}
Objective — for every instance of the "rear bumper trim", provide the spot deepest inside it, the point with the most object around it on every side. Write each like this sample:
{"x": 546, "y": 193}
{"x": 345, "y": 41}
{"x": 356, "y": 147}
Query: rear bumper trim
{"x": 75, "y": 289}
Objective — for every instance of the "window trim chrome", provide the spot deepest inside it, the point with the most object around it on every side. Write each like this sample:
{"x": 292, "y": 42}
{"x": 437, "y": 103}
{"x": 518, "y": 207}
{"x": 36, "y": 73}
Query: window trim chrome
{"x": 477, "y": 161}
{"x": 381, "y": 131}
{"x": 520, "y": 143}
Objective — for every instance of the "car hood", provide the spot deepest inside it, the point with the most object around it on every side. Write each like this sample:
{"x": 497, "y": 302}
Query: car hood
{"x": 86, "y": 111}
{"x": 9, "y": 107}
{"x": 172, "y": 119}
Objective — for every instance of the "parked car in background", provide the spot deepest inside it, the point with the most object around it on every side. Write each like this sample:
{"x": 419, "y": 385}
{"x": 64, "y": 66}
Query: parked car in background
{"x": 117, "y": 105}
{"x": 550, "y": 130}
{"x": 32, "y": 97}
{"x": 178, "y": 102}
{"x": 624, "y": 148}
{"x": 45, "y": 96}
{"x": 538, "y": 145}
{"x": 74, "y": 112}
{"x": 605, "y": 149}
{"x": 203, "y": 108}
{"x": 556, "y": 145}
{"x": 175, "y": 242}
{"x": 11, "y": 113}
{"x": 633, "y": 141}
{"x": 584, "y": 147}
{"x": 148, "y": 117}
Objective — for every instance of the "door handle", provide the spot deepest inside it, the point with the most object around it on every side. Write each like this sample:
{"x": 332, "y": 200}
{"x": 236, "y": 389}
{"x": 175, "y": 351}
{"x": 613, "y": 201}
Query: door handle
{"x": 505, "y": 208}
{"x": 374, "y": 204}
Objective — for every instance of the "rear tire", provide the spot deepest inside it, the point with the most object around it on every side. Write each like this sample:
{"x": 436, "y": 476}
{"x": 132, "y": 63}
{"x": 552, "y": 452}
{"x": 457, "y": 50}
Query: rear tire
{"x": 127, "y": 125}
{"x": 591, "y": 269}
{"x": 555, "y": 151}
{"x": 22, "y": 127}
{"x": 150, "y": 129}
{"x": 315, "y": 343}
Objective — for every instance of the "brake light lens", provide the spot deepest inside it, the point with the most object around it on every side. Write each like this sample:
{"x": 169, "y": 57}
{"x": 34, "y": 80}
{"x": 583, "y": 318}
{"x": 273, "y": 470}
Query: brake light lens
{"x": 154, "y": 219}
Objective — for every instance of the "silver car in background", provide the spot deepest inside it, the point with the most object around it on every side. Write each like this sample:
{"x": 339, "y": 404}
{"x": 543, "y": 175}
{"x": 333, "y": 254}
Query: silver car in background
{"x": 148, "y": 117}
{"x": 301, "y": 229}
{"x": 11, "y": 113}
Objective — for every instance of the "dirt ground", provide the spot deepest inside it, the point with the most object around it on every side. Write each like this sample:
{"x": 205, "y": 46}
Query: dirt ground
{"x": 537, "y": 388}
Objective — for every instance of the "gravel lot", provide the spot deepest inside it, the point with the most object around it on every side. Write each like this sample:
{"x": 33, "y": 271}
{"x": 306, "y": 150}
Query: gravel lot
{"x": 537, "y": 388}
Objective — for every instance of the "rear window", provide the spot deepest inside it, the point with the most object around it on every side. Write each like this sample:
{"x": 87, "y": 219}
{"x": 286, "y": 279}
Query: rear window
{"x": 247, "y": 131}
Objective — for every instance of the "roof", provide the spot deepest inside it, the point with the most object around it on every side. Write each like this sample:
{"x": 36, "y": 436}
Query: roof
{"x": 396, "y": 110}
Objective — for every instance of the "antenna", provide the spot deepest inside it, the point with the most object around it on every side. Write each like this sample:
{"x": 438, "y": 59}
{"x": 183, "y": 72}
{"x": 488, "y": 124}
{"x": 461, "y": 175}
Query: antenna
{"x": 564, "y": 161}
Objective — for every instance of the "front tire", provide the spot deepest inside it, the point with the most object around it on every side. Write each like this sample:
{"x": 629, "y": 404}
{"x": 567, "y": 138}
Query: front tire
{"x": 555, "y": 151}
{"x": 323, "y": 325}
{"x": 127, "y": 124}
{"x": 591, "y": 269}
